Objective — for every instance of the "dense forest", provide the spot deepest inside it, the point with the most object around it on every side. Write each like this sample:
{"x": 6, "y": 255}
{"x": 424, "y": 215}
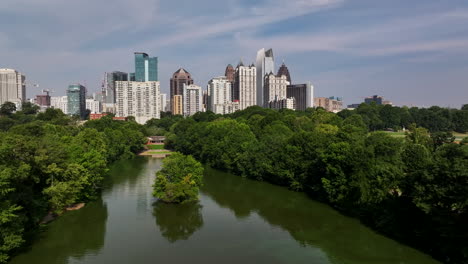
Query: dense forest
{"x": 49, "y": 161}
{"x": 412, "y": 188}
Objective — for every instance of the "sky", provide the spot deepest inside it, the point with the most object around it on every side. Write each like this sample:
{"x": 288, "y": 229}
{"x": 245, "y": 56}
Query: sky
{"x": 413, "y": 53}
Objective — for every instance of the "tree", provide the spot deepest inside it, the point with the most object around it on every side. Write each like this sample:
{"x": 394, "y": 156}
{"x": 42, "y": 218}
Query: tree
{"x": 7, "y": 109}
{"x": 179, "y": 179}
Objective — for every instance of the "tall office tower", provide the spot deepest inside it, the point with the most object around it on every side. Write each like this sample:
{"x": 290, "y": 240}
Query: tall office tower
{"x": 245, "y": 86}
{"x": 205, "y": 100}
{"x": 179, "y": 78}
{"x": 146, "y": 68}
{"x": 219, "y": 93}
{"x": 283, "y": 70}
{"x": 12, "y": 87}
{"x": 108, "y": 86}
{"x": 94, "y": 106}
{"x": 59, "y": 102}
{"x": 177, "y": 105}
{"x": 274, "y": 88}
{"x": 162, "y": 104}
{"x": 229, "y": 73}
{"x": 303, "y": 95}
{"x": 138, "y": 99}
{"x": 76, "y": 94}
{"x": 265, "y": 65}
{"x": 193, "y": 99}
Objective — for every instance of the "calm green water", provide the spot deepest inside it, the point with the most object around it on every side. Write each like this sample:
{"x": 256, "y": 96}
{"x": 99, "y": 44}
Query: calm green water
{"x": 236, "y": 221}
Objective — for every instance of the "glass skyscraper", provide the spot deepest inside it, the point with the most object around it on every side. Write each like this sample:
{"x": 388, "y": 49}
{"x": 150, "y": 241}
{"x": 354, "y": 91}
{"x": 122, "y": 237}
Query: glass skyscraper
{"x": 76, "y": 95}
{"x": 265, "y": 65}
{"x": 146, "y": 68}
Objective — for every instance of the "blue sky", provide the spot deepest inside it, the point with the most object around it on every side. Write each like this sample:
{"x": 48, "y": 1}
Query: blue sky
{"x": 411, "y": 52}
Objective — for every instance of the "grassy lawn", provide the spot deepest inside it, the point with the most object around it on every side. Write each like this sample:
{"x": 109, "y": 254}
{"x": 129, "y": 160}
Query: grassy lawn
{"x": 159, "y": 152}
{"x": 459, "y": 136}
{"x": 396, "y": 134}
{"x": 155, "y": 146}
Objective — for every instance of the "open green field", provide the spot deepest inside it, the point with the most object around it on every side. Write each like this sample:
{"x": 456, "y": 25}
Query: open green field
{"x": 401, "y": 134}
{"x": 155, "y": 146}
{"x": 396, "y": 134}
{"x": 159, "y": 152}
{"x": 460, "y": 136}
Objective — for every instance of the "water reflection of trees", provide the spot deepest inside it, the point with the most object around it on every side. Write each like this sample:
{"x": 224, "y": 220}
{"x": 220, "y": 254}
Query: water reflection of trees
{"x": 343, "y": 239}
{"x": 75, "y": 234}
{"x": 178, "y": 221}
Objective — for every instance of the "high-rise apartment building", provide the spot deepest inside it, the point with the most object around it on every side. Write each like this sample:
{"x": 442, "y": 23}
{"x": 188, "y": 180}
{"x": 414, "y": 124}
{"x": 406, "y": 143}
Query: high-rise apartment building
{"x": 12, "y": 87}
{"x": 108, "y": 87}
{"x": 245, "y": 86}
{"x": 180, "y": 78}
{"x": 274, "y": 88}
{"x": 177, "y": 105}
{"x": 330, "y": 104}
{"x": 303, "y": 95}
{"x": 283, "y": 70}
{"x": 93, "y": 106}
{"x": 43, "y": 100}
{"x": 265, "y": 65}
{"x": 193, "y": 99}
{"x": 229, "y": 73}
{"x": 219, "y": 93}
{"x": 59, "y": 102}
{"x": 76, "y": 94}
{"x": 285, "y": 103}
{"x": 146, "y": 68}
{"x": 163, "y": 102}
{"x": 138, "y": 99}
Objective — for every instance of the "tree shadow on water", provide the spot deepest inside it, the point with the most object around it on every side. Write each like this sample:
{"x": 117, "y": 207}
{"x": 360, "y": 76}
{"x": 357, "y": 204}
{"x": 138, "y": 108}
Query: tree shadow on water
{"x": 177, "y": 221}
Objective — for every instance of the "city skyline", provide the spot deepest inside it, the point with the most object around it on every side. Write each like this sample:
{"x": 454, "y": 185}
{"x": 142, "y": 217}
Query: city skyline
{"x": 410, "y": 53}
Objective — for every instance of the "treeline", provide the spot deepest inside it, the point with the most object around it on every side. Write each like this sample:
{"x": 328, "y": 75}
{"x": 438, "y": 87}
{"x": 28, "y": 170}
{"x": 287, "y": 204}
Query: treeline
{"x": 48, "y": 162}
{"x": 414, "y": 189}
{"x": 435, "y": 118}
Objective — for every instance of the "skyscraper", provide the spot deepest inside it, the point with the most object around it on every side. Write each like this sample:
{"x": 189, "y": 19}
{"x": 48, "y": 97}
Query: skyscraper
{"x": 179, "y": 78}
{"x": 76, "y": 94}
{"x": 12, "y": 87}
{"x": 177, "y": 105}
{"x": 146, "y": 68}
{"x": 265, "y": 65}
{"x": 163, "y": 102}
{"x": 59, "y": 102}
{"x": 193, "y": 99}
{"x": 245, "y": 86}
{"x": 303, "y": 95}
{"x": 283, "y": 70}
{"x": 138, "y": 99}
{"x": 108, "y": 88}
{"x": 274, "y": 88}
{"x": 229, "y": 73}
{"x": 219, "y": 93}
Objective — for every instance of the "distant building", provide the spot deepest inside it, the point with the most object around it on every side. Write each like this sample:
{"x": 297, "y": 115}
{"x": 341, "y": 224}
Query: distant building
{"x": 285, "y": 103}
{"x": 331, "y": 104}
{"x": 353, "y": 106}
{"x": 219, "y": 93}
{"x": 192, "y": 99}
{"x": 265, "y": 65}
{"x": 108, "y": 86}
{"x": 180, "y": 78}
{"x": 229, "y": 73}
{"x": 94, "y": 106}
{"x": 205, "y": 100}
{"x": 283, "y": 70}
{"x": 138, "y": 99}
{"x": 163, "y": 102}
{"x": 274, "y": 88}
{"x": 177, "y": 105}
{"x": 146, "y": 68}
{"x": 59, "y": 102}
{"x": 226, "y": 108}
{"x": 76, "y": 94}
{"x": 303, "y": 95}
{"x": 43, "y": 100}
{"x": 245, "y": 86}
{"x": 12, "y": 87}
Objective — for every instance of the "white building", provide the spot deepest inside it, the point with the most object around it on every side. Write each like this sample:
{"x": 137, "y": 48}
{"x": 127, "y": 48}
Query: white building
{"x": 59, "y": 102}
{"x": 138, "y": 99}
{"x": 219, "y": 93}
{"x": 274, "y": 88}
{"x": 226, "y": 108}
{"x": 265, "y": 65}
{"x": 285, "y": 103}
{"x": 94, "y": 106}
{"x": 163, "y": 103}
{"x": 245, "y": 86}
{"x": 12, "y": 87}
{"x": 192, "y": 99}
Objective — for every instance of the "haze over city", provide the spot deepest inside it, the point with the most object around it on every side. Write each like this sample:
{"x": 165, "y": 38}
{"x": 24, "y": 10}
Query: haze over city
{"x": 412, "y": 54}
